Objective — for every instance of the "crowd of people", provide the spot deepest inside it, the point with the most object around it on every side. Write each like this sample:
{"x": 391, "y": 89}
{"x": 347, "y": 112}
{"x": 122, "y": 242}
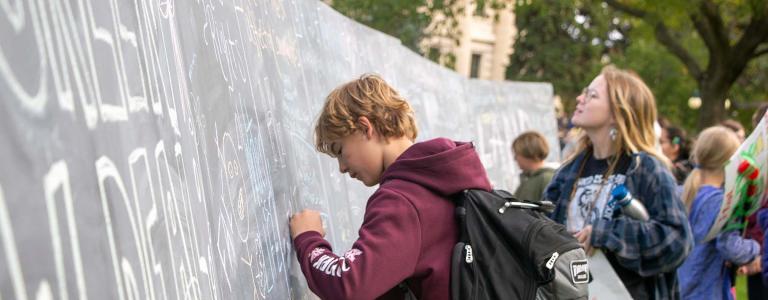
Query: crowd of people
{"x": 408, "y": 229}
{"x": 613, "y": 143}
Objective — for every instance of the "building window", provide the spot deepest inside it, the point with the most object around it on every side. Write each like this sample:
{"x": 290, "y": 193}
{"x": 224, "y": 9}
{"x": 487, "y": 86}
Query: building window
{"x": 480, "y": 10}
{"x": 434, "y": 54}
{"x": 474, "y": 71}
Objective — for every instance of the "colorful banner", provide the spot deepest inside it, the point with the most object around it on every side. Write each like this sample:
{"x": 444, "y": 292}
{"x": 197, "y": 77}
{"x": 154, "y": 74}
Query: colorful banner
{"x": 745, "y": 182}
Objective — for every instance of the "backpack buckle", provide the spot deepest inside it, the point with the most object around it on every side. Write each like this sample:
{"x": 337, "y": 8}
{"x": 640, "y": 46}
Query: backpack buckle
{"x": 517, "y": 204}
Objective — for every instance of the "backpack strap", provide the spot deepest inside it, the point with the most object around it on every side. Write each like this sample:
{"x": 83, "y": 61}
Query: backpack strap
{"x": 407, "y": 292}
{"x": 544, "y": 206}
{"x": 461, "y": 215}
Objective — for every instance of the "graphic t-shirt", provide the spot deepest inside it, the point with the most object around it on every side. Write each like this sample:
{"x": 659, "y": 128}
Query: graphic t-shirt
{"x": 586, "y": 205}
{"x": 587, "y": 186}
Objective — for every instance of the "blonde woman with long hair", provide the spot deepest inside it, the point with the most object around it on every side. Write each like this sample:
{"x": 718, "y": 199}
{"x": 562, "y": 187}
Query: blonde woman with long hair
{"x": 616, "y": 112}
{"x": 703, "y": 195}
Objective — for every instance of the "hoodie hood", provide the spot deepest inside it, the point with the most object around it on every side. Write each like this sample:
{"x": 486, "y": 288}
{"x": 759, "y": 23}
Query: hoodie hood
{"x": 441, "y": 165}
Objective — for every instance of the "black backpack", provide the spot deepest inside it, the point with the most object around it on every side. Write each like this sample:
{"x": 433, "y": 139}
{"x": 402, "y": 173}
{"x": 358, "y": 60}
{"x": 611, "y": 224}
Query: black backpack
{"x": 509, "y": 249}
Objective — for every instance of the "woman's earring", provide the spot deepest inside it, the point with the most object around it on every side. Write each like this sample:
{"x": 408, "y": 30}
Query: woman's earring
{"x": 612, "y": 133}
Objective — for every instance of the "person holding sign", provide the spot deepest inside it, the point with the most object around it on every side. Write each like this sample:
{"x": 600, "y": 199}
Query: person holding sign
{"x": 617, "y": 112}
{"x": 757, "y": 286}
{"x": 710, "y": 260}
{"x": 762, "y": 218}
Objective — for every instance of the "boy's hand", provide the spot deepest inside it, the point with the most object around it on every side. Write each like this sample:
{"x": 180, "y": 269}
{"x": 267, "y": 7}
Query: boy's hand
{"x": 306, "y": 220}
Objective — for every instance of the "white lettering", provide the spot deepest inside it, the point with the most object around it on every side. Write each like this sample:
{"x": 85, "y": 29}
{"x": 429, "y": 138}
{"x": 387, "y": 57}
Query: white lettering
{"x": 58, "y": 177}
{"x": 11, "y": 252}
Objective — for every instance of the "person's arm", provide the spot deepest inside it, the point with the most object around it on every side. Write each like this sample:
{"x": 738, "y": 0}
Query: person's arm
{"x": 384, "y": 255}
{"x": 730, "y": 244}
{"x": 736, "y": 249}
{"x": 553, "y": 192}
{"x": 553, "y": 188}
{"x": 655, "y": 246}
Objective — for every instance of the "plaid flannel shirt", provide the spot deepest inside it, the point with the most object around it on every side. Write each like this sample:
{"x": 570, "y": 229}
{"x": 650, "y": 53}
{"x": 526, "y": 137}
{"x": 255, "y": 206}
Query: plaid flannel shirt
{"x": 652, "y": 249}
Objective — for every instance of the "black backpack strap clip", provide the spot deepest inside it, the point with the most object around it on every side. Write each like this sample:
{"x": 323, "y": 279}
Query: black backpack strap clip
{"x": 544, "y": 206}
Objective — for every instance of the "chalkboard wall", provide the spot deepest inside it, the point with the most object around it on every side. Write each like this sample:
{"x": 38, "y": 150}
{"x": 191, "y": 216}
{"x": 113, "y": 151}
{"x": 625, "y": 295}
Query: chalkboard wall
{"x": 155, "y": 149}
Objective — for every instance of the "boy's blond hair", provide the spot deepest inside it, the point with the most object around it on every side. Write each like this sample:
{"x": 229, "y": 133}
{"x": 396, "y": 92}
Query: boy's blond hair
{"x": 531, "y": 145}
{"x": 371, "y": 97}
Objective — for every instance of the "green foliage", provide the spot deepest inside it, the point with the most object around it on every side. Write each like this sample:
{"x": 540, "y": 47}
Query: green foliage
{"x": 408, "y": 20}
{"x": 398, "y": 18}
{"x": 667, "y": 78}
{"x": 750, "y": 91}
{"x": 664, "y": 73}
{"x": 567, "y": 43}
{"x": 564, "y": 42}
{"x": 404, "y": 19}
{"x": 715, "y": 40}
{"x": 547, "y": 50}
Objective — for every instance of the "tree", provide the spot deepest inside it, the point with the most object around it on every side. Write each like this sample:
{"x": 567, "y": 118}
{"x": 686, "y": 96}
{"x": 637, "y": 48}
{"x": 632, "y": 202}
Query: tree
{"x": 565, "y": 43}
{"x": 751, "y": 90}
{"x": 664, "y": 74}
{"x": 403, "y": 19}
{"x": 568, "y": 42}
{"x": 732, "y": 32}
{"x": 412, "y": 21}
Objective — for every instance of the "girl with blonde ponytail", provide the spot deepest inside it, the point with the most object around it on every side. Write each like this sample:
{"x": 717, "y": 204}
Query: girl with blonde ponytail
{"x": 703, "y": 196}
{"x": 616, "y": 113}
{"x": 713, "y": 149}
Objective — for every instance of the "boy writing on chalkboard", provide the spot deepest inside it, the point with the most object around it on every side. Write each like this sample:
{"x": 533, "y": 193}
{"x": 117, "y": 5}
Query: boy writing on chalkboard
{"x": 408, "y": 229}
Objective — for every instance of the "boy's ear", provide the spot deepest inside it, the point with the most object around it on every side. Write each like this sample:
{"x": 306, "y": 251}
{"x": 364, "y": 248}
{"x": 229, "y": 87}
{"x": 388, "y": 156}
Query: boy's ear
{"x": 367, "y": 127}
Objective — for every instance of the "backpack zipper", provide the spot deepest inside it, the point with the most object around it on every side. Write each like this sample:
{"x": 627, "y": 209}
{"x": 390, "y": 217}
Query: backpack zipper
{"x": 551, "y": 262}
{"x": 468, "y": 257}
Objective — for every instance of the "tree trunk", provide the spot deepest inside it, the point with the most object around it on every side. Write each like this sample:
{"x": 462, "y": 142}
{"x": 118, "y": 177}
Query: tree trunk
{"x": 713, "y": 95}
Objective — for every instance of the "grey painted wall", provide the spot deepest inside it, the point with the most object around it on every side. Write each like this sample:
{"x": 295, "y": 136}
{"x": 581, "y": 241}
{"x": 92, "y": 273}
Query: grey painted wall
{"x": 155, "y": 149}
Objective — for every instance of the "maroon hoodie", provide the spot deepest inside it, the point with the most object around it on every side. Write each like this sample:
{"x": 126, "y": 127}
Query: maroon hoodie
{"x": 408, "y": 230}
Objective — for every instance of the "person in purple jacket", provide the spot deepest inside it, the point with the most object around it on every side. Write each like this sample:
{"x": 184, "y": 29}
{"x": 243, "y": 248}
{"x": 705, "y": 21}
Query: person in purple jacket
{"x": 761, "y": 216}
{"x": 704, "y": 274}
{"x": 762, "y": 219}
{"x": 408, "y": 229}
